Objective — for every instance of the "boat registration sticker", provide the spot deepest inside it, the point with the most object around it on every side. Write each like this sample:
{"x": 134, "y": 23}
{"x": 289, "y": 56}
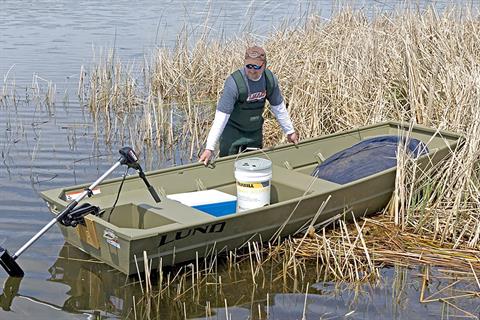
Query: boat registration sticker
{"x": 69, "y": 196}
{"x": 111, "y": 238}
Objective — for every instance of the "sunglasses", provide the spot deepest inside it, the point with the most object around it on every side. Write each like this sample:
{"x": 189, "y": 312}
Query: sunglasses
{"x": 253, "y": 66}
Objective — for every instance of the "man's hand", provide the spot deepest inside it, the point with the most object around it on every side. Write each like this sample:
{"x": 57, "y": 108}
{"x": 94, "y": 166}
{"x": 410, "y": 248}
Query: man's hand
{"x": 205, "y": 156}
{"x": 292, "y": 137}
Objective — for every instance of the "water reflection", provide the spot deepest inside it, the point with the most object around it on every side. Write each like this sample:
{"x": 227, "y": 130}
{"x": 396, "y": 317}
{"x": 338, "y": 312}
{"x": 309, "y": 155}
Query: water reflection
{"x": 94, "y": 287}
{"x": 97, "y": 290}
{"x": 10, "y": 290}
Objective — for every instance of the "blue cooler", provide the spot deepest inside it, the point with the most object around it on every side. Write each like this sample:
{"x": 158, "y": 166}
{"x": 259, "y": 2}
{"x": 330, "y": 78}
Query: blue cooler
{"x": 213, "y": 202}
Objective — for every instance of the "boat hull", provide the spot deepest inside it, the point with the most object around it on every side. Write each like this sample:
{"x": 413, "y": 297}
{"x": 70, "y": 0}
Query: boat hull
{"x": 170, "y": 232}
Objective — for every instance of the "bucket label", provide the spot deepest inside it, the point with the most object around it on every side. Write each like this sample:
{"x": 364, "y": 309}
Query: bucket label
{"x": 254, "y": 185}
{"x": 251, "y": 195}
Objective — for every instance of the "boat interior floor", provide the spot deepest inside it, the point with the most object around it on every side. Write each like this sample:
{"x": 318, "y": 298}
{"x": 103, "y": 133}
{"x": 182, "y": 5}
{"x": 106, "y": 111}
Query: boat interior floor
{"x": 141, "y": 212}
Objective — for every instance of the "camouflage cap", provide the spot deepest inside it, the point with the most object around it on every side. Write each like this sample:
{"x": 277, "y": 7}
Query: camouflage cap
{"x": 255, "y": 55}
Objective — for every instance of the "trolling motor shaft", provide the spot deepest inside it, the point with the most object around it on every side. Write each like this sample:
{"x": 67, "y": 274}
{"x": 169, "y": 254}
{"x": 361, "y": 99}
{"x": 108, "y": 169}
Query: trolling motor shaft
{"x": 130, "y": 159}
{"x": 71, "y": 217}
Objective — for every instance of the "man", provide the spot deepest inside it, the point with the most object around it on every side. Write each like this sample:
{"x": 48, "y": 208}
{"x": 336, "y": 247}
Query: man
{"x": 238, "y": 119}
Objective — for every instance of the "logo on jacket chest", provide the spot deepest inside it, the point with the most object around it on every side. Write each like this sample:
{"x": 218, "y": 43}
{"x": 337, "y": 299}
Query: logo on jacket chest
{"x": 257, "y": 96}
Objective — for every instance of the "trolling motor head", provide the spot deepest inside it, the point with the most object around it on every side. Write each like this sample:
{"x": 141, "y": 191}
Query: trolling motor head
{"x": 130, "y": 159}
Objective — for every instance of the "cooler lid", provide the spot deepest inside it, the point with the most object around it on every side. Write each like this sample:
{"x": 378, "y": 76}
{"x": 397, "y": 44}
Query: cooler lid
{"x": 203, "y": 197}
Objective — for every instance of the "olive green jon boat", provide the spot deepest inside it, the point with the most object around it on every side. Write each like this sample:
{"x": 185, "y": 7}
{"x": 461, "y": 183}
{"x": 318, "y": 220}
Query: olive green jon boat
{"x": 176, "y": 233}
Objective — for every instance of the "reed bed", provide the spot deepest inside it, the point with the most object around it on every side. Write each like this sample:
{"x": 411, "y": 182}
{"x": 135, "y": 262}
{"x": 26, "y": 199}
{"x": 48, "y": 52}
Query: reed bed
{"x": 442, "y": 202}
{"x": 348, "y": 255}
{"x": 354, "y": 252}
{"x": 335, "y": 74}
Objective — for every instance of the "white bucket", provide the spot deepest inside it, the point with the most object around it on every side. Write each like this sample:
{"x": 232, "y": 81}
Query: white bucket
{"x": 253, "y": 177}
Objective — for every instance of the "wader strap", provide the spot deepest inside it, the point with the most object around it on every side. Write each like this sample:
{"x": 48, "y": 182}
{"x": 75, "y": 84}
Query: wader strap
{"x": 241, "y": 86}
{"x": 270, "y": 82}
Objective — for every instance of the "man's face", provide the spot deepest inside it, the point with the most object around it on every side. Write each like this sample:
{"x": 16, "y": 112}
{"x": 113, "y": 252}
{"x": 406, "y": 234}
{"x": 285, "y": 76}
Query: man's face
{"x": 254, "y": 70}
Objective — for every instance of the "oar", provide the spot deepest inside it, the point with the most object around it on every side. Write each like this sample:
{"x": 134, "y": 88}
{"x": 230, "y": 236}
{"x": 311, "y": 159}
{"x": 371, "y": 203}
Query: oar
{"x": 128, "y": 157}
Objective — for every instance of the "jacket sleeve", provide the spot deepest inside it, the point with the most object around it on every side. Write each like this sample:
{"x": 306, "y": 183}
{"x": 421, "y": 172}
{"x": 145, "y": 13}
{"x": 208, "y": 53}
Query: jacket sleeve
{"x": 281, "y": 113}
{"x": 219, "y": 123}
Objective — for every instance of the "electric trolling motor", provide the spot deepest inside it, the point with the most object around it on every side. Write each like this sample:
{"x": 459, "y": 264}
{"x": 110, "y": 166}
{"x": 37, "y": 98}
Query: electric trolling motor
{"x": 130, "y": 159}
{"x": 72, "y": 216}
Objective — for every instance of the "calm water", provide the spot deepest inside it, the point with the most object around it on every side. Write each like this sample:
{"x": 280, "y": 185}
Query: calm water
{"x": 43, "y": 148}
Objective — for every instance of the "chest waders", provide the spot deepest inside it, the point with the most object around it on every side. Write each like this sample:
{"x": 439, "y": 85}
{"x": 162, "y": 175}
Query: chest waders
{"x": 245, "y": 124}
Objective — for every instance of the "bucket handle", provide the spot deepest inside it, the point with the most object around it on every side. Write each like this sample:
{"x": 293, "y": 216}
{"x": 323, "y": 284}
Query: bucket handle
{"x": 252, "y": 149}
